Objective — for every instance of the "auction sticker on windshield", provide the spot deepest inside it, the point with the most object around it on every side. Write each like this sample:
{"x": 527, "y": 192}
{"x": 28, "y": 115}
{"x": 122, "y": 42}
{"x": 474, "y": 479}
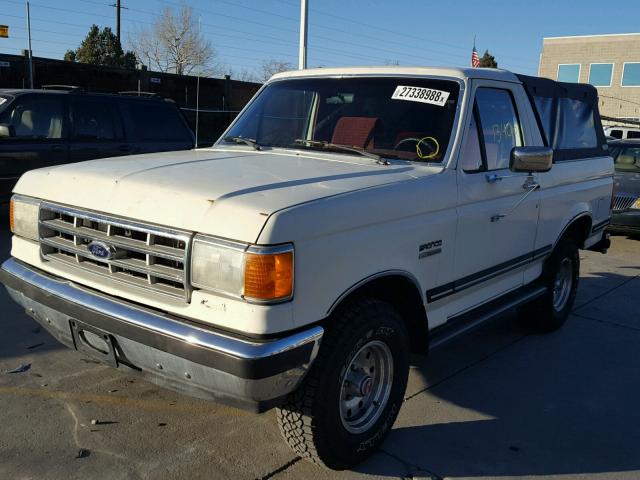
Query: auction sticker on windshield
{"x": 420, "y": 94}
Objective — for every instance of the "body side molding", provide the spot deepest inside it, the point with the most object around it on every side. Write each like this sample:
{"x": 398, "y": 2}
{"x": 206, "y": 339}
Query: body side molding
{"x": 456, "y": 286}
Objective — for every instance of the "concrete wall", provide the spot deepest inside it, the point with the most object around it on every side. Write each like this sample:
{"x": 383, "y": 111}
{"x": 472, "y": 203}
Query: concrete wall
{"x": 615, "y": 101}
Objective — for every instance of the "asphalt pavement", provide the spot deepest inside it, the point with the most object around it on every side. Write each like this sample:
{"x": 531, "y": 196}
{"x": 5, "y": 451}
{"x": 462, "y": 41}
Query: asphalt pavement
{"x": 498, "y": 403}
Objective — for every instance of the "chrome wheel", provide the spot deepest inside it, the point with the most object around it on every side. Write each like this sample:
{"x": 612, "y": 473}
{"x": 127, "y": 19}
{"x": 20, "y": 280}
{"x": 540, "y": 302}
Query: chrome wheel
{"x": 562, "y": 284}
{"x": 366, "y": 387}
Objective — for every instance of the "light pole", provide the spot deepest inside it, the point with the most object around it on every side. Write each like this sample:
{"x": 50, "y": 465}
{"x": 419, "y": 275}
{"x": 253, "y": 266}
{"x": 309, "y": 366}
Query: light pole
{"x": 30, "y": 52}
{"x": 198, "y": 88}
{"x": 304, "y": 17}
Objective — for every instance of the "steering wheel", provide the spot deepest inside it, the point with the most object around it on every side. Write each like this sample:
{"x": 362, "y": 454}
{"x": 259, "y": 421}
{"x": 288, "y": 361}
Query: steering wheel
{"x": 433, "y": 145}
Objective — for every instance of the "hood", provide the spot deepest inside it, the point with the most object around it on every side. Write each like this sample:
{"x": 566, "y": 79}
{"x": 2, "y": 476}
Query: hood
{"x": 627, "y": 182}
{"x": 225, "y": 192}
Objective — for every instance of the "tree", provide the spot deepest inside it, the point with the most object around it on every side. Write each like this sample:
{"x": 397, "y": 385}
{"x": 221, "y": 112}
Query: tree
{"x": 488, "y": 61}
{"x": 268, "y": 68}
{"x": 244, "y": 75}
{"x": 101, "y": 48}
{"x": 175, "y": 44}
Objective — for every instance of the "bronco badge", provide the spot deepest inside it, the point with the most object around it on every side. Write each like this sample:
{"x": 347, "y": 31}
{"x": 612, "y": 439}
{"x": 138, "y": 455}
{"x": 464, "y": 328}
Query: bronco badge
{"x": 428, "y": 249}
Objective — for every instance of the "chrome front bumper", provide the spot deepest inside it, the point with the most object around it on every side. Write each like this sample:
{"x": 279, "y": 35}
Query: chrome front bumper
{"x": 172, "y": 352}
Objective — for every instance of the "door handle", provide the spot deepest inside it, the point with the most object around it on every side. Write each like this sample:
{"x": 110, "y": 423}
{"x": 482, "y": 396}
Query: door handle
{"x": 57, "y": 148}
{"x": 494, "y": 177}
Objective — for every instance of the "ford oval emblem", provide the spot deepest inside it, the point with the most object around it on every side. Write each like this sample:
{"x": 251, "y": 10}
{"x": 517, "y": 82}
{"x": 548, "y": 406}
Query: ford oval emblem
{"x": 101, "y": 250}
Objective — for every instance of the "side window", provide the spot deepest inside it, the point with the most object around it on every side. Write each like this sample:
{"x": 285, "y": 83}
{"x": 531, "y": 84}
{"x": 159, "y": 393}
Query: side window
{"x": 633, "y": 134}
{"x": 155, "y": 121}
{"x": 575, "y": 128}
{"x": 95, "y": 120}
{"x": 615, "y": 133}
{"x": 472, "y": 153}
{"x": 34, "y": 117}
{"x": 499, "y": 124}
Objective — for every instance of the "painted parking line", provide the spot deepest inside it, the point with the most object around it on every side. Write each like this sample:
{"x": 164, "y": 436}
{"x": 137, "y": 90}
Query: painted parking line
{"x": 122, "y": 401}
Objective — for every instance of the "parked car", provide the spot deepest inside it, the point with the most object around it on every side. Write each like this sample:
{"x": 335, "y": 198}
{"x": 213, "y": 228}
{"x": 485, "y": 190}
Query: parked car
{"x": 626, "y": 202}
{"x": 622, "y": 133}
{"x": 42, "y": 128}
{"x": 345, "y": 219}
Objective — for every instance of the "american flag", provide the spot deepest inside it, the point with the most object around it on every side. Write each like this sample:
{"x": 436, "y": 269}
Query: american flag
{"x": 475, "y": 59}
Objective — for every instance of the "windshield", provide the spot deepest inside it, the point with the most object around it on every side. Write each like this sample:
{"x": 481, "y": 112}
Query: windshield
{"x": 404, "y": 118}
{"x": 626, "y": 159}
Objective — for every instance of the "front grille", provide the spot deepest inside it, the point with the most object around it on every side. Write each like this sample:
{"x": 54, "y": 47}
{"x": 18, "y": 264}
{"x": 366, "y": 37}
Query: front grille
{"x": 146, "y": 256}
{"x": 623, "y": 201}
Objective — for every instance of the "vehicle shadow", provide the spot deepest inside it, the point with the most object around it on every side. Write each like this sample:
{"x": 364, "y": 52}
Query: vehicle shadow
{"x": 564, "y": 403}
{"x": 20, "y": 335}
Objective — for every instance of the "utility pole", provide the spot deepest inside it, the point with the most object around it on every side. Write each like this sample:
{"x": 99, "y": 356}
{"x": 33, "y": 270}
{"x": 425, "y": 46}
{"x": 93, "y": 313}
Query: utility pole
{"x": 304, "y": 17}
{"x": 118, "y": 7}
{"x": 30, "y": 52}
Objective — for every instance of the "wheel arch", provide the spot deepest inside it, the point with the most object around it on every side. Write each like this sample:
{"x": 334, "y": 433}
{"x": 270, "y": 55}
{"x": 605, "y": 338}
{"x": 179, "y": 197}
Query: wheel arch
{"x": 578, "y": 228}
{"x": 401, "y": 290}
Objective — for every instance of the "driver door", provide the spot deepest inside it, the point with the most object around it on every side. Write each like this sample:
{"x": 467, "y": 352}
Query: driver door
{"x": 497, "y": 209}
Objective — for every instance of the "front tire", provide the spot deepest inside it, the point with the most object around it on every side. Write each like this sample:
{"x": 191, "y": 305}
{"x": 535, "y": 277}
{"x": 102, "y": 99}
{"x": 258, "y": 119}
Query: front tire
{"x": 560, "y": 275}
{"x": 352, "y": 395}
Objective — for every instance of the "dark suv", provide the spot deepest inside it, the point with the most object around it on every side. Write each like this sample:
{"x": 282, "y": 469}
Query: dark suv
{"x": 40, "y": 128}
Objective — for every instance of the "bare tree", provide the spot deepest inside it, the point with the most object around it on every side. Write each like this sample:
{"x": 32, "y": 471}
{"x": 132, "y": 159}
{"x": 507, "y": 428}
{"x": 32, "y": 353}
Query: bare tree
{"x": 244, "y": 75}
{"x": 268, "y": 68}
{"x": 175, "y": 44}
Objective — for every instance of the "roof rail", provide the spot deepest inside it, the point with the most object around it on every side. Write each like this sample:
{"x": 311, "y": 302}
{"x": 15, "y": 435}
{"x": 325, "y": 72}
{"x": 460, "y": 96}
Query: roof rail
{"x": 136, "y": 93}
{"x": 68, "y": 88}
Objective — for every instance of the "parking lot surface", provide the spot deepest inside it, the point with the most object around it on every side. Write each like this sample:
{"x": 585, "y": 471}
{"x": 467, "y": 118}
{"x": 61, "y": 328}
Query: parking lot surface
{"x": 499, "y": 403}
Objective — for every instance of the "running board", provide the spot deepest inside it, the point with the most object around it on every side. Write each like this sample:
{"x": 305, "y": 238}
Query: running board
{"x": 469, "y": 321}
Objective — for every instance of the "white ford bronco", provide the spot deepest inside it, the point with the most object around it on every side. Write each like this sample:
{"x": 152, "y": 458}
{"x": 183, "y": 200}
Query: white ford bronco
{"x": 346, "y": 218}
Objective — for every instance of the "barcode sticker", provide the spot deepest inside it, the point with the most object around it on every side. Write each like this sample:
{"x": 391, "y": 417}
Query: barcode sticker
{"x": 419, "y": 94}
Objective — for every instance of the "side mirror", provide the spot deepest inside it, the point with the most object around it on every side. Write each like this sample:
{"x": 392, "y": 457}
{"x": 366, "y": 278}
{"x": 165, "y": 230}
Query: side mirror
{"x": 531, "y": 159}
{"x": 7, "y": 131}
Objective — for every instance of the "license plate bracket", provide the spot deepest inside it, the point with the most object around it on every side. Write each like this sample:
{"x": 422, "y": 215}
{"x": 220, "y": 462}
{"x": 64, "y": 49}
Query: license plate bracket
{"x": 94, "y": 342}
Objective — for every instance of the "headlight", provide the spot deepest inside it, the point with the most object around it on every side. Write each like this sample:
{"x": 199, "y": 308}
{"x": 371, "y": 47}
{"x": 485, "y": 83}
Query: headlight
{"x": 636, "y": 204}
{"x": 257, "y": 274}
{"x": 23, "y": 216}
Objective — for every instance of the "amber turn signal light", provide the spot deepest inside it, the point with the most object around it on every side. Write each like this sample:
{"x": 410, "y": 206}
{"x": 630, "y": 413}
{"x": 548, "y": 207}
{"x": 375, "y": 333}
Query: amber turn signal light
{"x": 268, "y": 276}
{"x": 11, "y": 221}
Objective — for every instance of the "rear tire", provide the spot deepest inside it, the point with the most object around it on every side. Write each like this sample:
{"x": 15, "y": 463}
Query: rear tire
{"x": 352, "y": 395}
{"x": 560, "y": 276}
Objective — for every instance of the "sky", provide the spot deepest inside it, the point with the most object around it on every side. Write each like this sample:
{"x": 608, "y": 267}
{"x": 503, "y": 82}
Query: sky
{"x": 341, "y": 32}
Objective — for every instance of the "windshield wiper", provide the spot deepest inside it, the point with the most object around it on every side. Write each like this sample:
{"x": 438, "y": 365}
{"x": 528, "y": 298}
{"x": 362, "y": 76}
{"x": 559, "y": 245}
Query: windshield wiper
{"x": 346, "y": 148}
{"x": 247, "y": 141}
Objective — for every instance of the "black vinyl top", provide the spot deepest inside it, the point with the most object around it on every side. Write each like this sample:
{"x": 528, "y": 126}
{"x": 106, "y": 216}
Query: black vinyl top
{"x": 568, "y": 117}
